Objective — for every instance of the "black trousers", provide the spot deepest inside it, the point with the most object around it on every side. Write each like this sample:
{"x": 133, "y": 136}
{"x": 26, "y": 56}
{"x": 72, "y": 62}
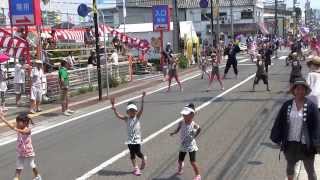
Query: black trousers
{"x": 232, "y": 63}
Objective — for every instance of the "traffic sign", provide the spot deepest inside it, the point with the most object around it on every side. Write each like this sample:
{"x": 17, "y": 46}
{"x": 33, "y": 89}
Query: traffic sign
{"x": 25, "y": 12}
{"x": 161, "y": 18}
{"x": 204, "y": 3}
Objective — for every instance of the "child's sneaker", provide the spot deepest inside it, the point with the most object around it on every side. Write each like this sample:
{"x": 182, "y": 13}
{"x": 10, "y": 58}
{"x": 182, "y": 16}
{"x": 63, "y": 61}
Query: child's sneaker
{"x": 143, "y": 163}
{"x": 136, "y": 172}
{"x": 38, "y": 178}
{"x": 198, "y": 177}
{"x": 180, "y": 169}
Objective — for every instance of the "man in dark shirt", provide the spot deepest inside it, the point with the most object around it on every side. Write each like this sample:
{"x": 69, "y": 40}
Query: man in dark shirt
{"x": 267, "y": 55}
{"x": 92, "y": 59}
{"x": 261, "y": 73}
{"x": 231, "y": 51}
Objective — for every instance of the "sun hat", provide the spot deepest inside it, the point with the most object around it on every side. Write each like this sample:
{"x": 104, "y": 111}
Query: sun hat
{"x": 132, "y": 107}
{"x": 301, "y": 81}
{"x": 313, "y": 60}
{"x": 188, "y": 109}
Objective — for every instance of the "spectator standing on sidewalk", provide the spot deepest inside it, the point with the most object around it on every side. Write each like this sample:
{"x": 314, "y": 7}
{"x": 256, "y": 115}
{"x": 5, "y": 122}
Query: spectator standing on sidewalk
{"x": 70, "y": 60}
{"x": 19, "y": 81}
{"x": 115, "y": 62}
{"x": 3, "y": 86}
{"x": 297, "y": 130}
{"x": 313, "y": 80}
{"x": 37, "y": 77}
{"x": 92, "y": 59}
{"x": 64, "y": 89}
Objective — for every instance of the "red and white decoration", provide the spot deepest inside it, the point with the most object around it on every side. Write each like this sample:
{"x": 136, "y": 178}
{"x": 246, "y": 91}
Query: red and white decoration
{"x": 77, "y": 35}
{"x": 12, "y": 46}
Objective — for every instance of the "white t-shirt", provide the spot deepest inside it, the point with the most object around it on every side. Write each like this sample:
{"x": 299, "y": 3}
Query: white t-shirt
{"x": 3, "y": 79}
{"x": 19, "y": 74}
{"x": 115, "y": 58}
{"x": 70, "y": 61}
{"x": 313, "y": 80}
{"x": 37, "y": 77}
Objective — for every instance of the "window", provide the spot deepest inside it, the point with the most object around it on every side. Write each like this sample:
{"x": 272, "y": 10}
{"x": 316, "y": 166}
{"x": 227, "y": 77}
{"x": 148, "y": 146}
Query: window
{"x": 207, "y": 16}
{"x": 246, "y": 14}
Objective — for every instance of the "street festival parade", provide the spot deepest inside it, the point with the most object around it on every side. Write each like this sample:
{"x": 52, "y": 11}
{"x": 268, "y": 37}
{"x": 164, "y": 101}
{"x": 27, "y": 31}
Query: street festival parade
{"x": 159, "y": 89}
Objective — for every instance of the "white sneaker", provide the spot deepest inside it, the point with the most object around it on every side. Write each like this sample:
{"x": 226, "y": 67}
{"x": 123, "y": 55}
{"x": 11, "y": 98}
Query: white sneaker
{"x": 70, "y": 111}
{"x": 67, "y": 113}
{"x": 38, "y": 178}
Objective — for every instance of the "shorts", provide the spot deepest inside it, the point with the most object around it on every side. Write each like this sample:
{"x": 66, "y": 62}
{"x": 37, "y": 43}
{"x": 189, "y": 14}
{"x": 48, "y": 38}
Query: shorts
{"x": 135, "y": 150}
{"x": 192, "y": 156}
{"x": 19, "y": 88}
{"x": 36, "y": 93}
{"x": 215, "y": 71}
{"x": 22, "y": 161}
{"x": 264, "y": 78}
{"x": 293, "y": 77}
{"x": 295, "y": 152}
{"x": 64, "y": 94}
{"x": 172, "y": 72}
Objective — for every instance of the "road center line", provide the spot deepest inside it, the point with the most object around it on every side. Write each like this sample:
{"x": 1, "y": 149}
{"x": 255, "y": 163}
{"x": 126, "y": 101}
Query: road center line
{"x": 157, "y": 133}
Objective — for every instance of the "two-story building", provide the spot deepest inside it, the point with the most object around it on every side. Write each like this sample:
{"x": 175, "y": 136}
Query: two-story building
{"x": 247, "y": 14}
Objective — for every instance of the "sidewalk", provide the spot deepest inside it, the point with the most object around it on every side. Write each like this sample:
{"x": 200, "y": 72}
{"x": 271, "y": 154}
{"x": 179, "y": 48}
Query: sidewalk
{"x": 87, "y": 99}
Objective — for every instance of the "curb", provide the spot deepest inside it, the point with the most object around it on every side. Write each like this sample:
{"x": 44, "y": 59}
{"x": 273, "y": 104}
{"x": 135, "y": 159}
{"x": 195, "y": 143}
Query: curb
{"x": 95, "y": 100}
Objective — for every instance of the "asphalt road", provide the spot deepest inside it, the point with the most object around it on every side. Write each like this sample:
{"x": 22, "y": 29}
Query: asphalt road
{"x": 234, "y": 143}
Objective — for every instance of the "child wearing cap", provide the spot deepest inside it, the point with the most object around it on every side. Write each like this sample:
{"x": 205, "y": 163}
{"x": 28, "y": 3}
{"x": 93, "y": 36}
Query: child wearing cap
{"x": 261, "y": 73}
{"x": 134, "y": 132}
{"x": 189, "y": 130}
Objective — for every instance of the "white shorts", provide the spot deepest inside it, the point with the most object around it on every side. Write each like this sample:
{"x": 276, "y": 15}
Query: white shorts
{"x": 22, "y": 161}
{"x": 36, "y": 93}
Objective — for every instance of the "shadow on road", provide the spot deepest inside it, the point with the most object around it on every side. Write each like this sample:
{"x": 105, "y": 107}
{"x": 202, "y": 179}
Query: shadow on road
{"x": 113, "y": 173}
{"x": 173, "y": 177}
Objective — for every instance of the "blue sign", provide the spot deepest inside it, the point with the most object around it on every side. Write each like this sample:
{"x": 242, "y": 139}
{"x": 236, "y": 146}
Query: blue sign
{"x": 204, "y": 3}
{"x": 21, "y": 7}
{"x": 161, "y": 17}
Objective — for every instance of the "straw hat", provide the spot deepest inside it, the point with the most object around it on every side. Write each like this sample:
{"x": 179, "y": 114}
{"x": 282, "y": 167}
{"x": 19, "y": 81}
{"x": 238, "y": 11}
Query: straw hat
{"x": 313, "y": 60}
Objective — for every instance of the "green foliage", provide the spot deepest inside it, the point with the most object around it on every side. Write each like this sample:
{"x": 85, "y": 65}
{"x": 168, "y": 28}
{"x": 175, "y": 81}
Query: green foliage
{"x": 183, "y": 62}
{"x": 82, "y": 90}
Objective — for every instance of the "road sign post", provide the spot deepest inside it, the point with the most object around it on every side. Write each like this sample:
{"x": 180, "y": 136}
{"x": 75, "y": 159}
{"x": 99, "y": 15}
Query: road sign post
{"x": 25, "y": 12}
{"x": 161, "y": 23}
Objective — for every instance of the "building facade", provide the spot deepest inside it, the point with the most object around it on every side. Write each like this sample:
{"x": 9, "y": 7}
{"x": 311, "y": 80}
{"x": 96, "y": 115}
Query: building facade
{"x": 247, "y": 14}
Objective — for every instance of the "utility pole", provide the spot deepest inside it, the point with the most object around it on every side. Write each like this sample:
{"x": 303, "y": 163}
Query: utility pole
{"x": 95, "y": 21}
{"x": 218, "y": 22}
{"x": 294, "y": 18}
{"x": 276, "y": 17}
{"x": 176, "y": 28}
{"x": 211, "y": 19}
{"x": 231, "y": 14}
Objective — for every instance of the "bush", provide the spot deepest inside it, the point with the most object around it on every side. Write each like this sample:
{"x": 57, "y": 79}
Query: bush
{"x": 90, "y": 89}
{"x": 183, "y": 62}
{"x": 113, "y": 82}
{"x": 82, "y": 90}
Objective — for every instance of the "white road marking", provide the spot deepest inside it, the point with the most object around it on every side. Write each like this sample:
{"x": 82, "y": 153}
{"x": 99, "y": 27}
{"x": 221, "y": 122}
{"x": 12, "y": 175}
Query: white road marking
{"x": 283, "y": 57}
{"x": 157, "y": 133}
{"x": 38, "y": 130}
